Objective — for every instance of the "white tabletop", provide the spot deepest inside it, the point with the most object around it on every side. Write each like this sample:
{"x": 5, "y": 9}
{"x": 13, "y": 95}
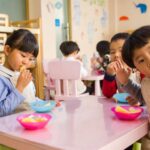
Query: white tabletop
{"x": 80, "y": 124}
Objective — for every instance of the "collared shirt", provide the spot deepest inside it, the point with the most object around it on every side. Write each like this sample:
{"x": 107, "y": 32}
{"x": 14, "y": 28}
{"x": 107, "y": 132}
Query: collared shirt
{"x": 10, "y": 98}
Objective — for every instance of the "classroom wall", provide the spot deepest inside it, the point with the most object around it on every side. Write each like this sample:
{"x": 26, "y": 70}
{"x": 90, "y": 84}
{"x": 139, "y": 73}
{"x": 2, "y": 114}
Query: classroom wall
{"x": 45, "y": 10}
{"x": 132, "y": 14}
{"x": 89, "y": 24}
{"x": 16, "y": 9}
{"x": 91, "y": 21}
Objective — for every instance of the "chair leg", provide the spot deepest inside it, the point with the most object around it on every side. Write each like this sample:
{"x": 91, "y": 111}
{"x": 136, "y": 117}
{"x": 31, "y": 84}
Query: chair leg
{"x": 47, "y": 94}
{"x": 136, "y": 146}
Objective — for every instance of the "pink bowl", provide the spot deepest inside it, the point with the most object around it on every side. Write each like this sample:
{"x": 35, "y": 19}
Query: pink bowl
{"x": 127, "y": 116}
{"x": 36, "y": 124}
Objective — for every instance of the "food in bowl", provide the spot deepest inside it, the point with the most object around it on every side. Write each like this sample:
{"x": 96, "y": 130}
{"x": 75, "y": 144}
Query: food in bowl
{"x": 33, "y": 121}
{"x": 124, "y": 110}
{"x": 127, "y": 112}
{"x": 42, "y": 106}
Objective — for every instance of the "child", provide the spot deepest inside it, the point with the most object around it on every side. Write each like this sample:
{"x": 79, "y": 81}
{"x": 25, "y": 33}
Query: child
{"x": 110, "y": 82}
{"x": 99, "y": 63}
{"x": 16, "y": 88}
{"x": 136, "y": 53}
{"x": 70, "y": 52}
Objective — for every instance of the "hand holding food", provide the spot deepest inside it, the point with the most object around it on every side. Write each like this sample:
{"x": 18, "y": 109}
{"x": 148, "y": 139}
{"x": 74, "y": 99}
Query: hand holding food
{"x": 22, "y": 68}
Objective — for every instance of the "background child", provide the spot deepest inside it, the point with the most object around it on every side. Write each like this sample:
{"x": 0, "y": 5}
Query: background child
{"x": 110, "y": 82}
{"x": 100, "y": 62}
{"x": 70, "y": 52}
{"x": 110, "y": 86}
{"x": 16, "y": 88}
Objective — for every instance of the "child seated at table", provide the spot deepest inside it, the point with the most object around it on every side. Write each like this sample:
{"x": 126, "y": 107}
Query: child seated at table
{"x": 100, "y": 62}
{"x": 16, "y": 86}
{"x": 70, "y": 50}
{"x": 136, "y": 54}
{"x": 110, "y": 83}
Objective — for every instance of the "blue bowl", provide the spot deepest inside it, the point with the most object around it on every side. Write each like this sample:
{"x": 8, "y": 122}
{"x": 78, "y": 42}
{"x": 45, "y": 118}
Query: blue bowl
{"x": 121, "y": 97}
{"x": 42, "y": 106}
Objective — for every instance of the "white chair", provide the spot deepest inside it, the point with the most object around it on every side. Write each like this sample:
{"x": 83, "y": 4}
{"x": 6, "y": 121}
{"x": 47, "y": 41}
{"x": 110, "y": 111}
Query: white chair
{"x": 65, "y": 74}
{"x": 49, "y": 86}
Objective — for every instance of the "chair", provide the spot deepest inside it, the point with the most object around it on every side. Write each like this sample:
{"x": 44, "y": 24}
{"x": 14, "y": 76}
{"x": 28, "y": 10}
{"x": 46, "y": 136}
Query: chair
{"x": 4, "y": 20}
{"x": 65, "y": 74}
{"x": 49, "y": 84}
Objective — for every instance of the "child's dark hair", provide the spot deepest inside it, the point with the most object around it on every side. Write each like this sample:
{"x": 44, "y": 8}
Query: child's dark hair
{"x": 137, "y": 39}
{"x": 23, "y": 40}
{"x": 68, "y": 47}
{"x": 102, "y": 48}
{"x": 119, "y": 36}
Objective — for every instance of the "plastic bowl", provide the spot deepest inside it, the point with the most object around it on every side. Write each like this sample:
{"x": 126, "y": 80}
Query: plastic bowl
{"x": 127, "y": 116}
{"x": 33, "y": 121}
{"x": 121, "y": 97}
{"x": 42, "y": 106}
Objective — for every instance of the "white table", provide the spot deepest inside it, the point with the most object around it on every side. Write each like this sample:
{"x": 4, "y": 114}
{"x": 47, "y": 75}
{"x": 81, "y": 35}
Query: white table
{"x": 96, "y": 79}
{"x": 79, "y": 124}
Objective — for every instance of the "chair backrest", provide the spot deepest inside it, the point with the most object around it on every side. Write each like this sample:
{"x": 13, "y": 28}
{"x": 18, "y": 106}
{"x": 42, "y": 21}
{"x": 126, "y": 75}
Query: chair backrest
{"x": 49, "y": 82}
{"x": 4, "y": 20}
{"x": 65, "y": 73}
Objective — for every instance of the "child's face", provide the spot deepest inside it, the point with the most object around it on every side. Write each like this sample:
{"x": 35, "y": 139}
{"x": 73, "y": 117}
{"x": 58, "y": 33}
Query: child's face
{"x": 141, "y": 59}
{"x": 115, "y": 49}
{"x": 16, "y": 58}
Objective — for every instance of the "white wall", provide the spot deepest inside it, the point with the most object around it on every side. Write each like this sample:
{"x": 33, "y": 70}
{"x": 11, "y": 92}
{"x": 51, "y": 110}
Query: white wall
{"x": 90, "y": 24}
{"x": 45, "y": 10}
{"x": 136, "y": 18}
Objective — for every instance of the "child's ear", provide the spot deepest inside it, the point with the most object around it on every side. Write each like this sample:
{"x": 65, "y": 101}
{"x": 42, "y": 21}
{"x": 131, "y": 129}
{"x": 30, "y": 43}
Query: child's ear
{"x": 7, "y": 50}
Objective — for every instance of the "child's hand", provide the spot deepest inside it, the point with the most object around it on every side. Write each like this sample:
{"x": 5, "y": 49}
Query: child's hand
{"x": 132, "y": 101}
{"x": 122, "y": 75}
{"x": 79, "y": 58}
{"x": 23, "y": 80}
{"x": 112, "y": 68}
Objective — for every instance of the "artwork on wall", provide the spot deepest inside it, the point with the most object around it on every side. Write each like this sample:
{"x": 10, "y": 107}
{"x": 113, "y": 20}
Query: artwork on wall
{"x": 57, "y": 22}
{"x": 50, "y": 7}
{"x": 77, "y": 12}
{"x": 104, "y": 18}
{"x": 124, "y": 18}
{"x": 90, "y": 32}
{"x": 141, "y": 6}
{"x": 58, "y": 5}
{"x": 96, "y": 2}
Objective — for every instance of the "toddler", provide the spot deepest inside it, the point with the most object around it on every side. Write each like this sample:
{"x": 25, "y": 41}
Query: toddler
{"x": 111, "y": 83}
{"x": 17, "y": 88}
{"x": 70, "y": 52}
